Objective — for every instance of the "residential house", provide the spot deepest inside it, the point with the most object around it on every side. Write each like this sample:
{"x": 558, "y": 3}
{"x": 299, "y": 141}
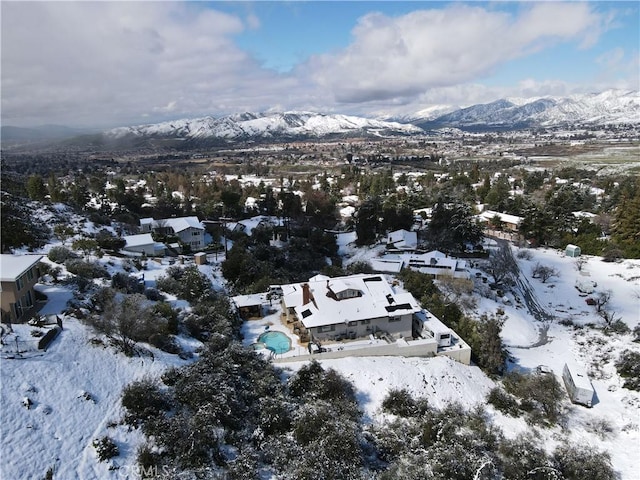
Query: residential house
{"x": 143, "y": 243}
{"x": 188, "y": 229}
{"x": 353, "y": 306}
{"x": 18, "y": 275}
{"x": 249, "y": 224}
{"x": 402, "y": 240}
{"x": 507, "y": 222}
{"x": 433, "y": 263}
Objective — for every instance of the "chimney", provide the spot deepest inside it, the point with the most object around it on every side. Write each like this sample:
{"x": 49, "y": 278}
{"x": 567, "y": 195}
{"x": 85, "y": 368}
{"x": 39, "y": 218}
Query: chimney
{"x": 306, "y": 294}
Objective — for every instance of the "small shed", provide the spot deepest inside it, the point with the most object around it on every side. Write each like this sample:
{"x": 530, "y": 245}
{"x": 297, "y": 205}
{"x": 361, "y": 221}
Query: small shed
{"x": 200, "y": 258}
{"x": 572, "y": 251}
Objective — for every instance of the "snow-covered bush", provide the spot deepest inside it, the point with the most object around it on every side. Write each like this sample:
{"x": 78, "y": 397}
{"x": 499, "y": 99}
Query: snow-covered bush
{"x": 106, "y": 448}
{"x": 628, "y": 366}
{"x": 579, "y": 463}
{"x": 400, "y": 402}
{"x": 86, "y": 269}
{"x": 59, "y": 254}
{"x": 503, "y": 401}
{"x": 539, "y": 395}
{"x": 143, "y": 399}
{"x": 126, "y": 283}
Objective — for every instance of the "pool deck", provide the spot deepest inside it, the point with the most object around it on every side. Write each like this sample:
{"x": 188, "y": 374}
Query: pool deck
{"x": 253, "y": 328}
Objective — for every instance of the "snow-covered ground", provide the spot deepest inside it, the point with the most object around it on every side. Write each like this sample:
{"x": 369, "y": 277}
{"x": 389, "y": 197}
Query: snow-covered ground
{"x": 58, "y": 429}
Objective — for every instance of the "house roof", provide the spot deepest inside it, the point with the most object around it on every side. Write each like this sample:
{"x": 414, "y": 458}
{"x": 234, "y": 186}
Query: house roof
{"x": 140, "y": 240}
{"x": 12, "y": 266}
{"x": 182, "y": 223}
{"x": 504, "y": 217}
{"x": 403, "y": 239}
{"x": 376, "y": 299}
{"x": 249, "y": 300}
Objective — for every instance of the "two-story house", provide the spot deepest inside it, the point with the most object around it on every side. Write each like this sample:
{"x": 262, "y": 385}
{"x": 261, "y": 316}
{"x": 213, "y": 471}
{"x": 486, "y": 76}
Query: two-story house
{"x": 18, "y": 275}
{"x": 188, "y": 229}
{"x": 355, "y": 306}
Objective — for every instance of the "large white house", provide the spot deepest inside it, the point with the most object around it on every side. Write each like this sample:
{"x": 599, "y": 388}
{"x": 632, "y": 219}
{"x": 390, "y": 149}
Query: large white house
{"x": 353, "y": 306}
{"x": 188, "y": 229}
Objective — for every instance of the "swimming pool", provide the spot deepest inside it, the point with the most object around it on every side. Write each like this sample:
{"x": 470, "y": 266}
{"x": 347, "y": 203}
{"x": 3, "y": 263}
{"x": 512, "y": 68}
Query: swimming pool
{"x": 277, "y": 342}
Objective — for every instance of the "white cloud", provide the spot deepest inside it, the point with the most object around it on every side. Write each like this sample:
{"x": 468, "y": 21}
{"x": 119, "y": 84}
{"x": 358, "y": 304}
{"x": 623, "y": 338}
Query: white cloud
{"x": 118, "y": 63}
{"x": 392, "y": 57}
{"x": 74, "y": 62}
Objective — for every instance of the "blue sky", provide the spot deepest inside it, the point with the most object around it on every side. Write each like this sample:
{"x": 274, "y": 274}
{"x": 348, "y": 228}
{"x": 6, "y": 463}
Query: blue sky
{"x": 122, "y": 63}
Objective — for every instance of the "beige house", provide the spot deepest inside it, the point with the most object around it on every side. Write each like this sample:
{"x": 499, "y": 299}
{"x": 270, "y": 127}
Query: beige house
{"x": 18, "y": 275}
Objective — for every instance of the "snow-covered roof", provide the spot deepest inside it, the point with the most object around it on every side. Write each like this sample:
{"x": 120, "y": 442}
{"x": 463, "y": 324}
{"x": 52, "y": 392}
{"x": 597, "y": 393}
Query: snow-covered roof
{"x": 402, "y": 239}
{"x": 12, "y": 266}
{"x": 386, "y": 265}
{"x": 376, "y": 299}
{"x": 182, "y": 223}
{"x": 138, "y": 240}
{"x": 504, "y": 217}
{"x": 249, "y": 300}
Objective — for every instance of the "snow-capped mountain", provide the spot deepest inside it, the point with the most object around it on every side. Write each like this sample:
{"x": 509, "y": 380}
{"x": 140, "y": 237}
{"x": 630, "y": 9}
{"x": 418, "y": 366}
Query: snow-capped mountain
{"x": 609, "y": 107}
{"x": 266, "y": 125}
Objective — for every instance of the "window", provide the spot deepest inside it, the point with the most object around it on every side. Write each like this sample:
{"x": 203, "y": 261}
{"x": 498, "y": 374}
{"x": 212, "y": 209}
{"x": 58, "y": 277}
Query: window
{"x": 19, "y": 283}
{"x": 394, "y": 319}
{"x": 327, "y": 328}
{"x": 29, "y": 299}
{"x": 17, "y": 308}
{"x": 365, "y": 322}
{"x": 30, "y": 274}
{"x": 353, "y": 324}
{"x": 195, "y": 233}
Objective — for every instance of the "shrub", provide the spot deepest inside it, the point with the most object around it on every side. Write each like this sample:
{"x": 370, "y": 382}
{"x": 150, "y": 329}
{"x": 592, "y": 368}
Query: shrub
{"x": 107, "y": 241}
{"x": 187, "y": 283}
{"x": 539, "y": 395}
{"x": 628, "y": 366}
{"x": 579, "y": 463}
{"x": 143, "y": 399}
{"x": 503, "y": 401}
{"x": 524, "y": 459}
{"x": 400, "y": 402}
{"x": 524, "y": 254}
{"x": 59, "y": 254}
{"x": 166, "y": 343}
{"x": 636, "y": 333}
{"x": 618, "y": 326}
{"x": 106, "y": 448}
{"x": 126, "y": 283}
{"x": 86, "y": 269}
{"x": 153, "y": 294}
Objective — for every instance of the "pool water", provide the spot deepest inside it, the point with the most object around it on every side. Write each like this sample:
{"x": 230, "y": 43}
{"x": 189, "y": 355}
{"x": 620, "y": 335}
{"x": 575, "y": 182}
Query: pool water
{"x": 277, "y": 342}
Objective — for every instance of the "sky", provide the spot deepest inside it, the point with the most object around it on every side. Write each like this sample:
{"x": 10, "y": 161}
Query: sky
{"x": 105, "y": 64}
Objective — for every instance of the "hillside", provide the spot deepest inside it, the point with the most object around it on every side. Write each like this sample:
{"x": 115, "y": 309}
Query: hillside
{"x": 75, "y": 386}
{"x": 266, "y": 126}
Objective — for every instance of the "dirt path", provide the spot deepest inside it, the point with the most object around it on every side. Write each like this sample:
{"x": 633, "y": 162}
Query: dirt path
{"x": 533, "y": 304}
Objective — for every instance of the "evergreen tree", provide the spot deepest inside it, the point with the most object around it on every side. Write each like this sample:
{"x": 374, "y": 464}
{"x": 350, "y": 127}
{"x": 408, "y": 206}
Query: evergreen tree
{"x": 626, "y": 229}
{"x": 36, "y": 188}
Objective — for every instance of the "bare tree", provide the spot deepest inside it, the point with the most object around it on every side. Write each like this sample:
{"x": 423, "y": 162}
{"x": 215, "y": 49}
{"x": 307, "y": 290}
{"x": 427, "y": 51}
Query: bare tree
{"x": 454, "y": 288}
{"x": 501, "y": 264}
{"x": 580, "y": 263}
{"x": 602, "y": 299}
{"x": 544, "y": 273}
